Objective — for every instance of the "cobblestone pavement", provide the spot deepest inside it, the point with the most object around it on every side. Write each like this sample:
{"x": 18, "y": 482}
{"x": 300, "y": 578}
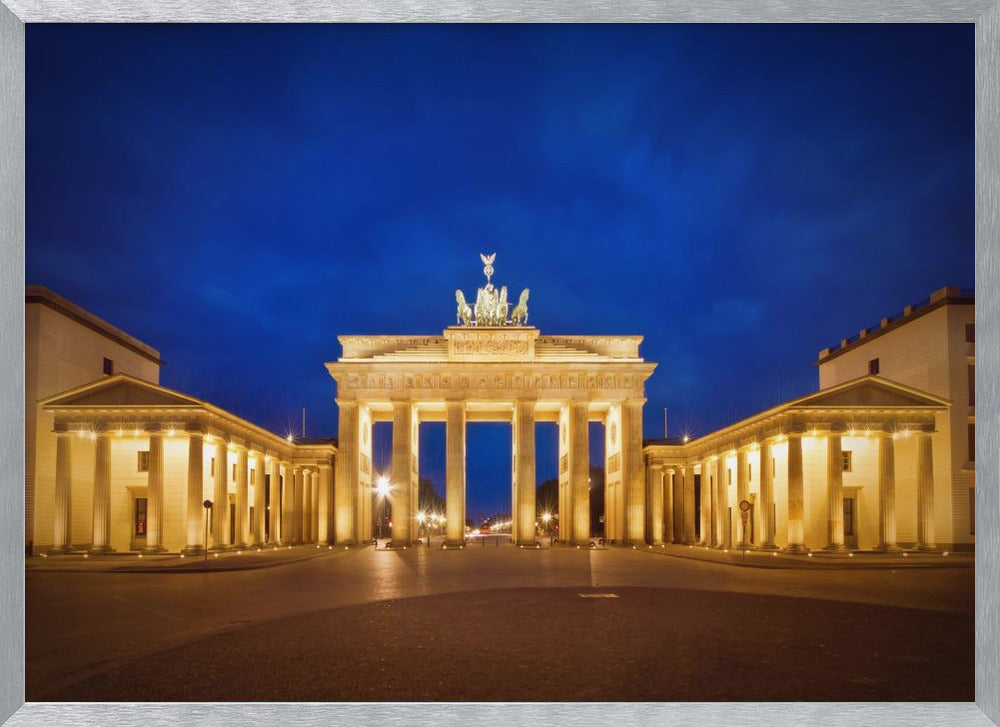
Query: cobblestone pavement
{"x": 90, "y": 633}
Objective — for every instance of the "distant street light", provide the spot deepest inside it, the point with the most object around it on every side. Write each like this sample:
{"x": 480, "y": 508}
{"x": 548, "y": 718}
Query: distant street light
{"x": 382, "y": 489}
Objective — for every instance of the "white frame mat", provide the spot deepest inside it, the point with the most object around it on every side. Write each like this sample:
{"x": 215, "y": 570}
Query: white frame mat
{"x": 15, "y": 13}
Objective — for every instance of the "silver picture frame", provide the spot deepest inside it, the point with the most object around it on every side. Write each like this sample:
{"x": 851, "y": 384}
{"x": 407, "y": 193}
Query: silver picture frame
{"x": 985, "y": 14}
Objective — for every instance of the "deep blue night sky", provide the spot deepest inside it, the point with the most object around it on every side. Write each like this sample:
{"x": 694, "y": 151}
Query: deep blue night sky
{"x": 742, "y": 196}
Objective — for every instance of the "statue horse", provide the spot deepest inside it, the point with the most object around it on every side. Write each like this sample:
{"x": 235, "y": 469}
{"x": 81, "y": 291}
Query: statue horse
{"x": 464, "y": 313}
{"x": 520, "y": 315}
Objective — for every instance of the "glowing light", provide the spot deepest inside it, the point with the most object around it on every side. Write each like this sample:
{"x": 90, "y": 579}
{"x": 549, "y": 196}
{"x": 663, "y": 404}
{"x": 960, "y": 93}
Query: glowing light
{"x": 685, "y": 438}
{"x": 119, "y": 432}
{"x": 382, "y": 487}
{"x": 546, "y": 517}
{"x": 421, "y": 517}
{"x": 170, "y": 432}
{"x": 93, "y": 435}
{"x": 182, "y": 555}
{"x": 850, "y": 432}
{"x": 140, "y": 555}
{"x": 135, "y": 432}
{"x": 290, "y": 438}
{"x": 850, "y": 555}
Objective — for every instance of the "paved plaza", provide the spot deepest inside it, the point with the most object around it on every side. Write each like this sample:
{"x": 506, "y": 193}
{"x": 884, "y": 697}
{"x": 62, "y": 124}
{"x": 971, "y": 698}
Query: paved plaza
{"x": 496, "y": 623}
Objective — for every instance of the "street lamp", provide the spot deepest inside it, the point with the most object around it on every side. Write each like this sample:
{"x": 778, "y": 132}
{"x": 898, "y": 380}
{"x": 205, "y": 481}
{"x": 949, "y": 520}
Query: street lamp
{"x": 547, "y": 518}
{"x": 422, "y": 519}
{"x": 382, "y": 489}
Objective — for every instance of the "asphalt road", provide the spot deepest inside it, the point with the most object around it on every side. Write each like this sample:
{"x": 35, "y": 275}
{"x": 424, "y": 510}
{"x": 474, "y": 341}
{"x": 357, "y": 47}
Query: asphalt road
{"x": 500, "y": 624}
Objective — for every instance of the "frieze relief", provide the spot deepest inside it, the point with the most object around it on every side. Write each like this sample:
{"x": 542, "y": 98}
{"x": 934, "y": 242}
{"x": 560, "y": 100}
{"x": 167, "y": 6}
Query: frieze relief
{"x": 614, "y": 462}
{"x": 505, "y": 381}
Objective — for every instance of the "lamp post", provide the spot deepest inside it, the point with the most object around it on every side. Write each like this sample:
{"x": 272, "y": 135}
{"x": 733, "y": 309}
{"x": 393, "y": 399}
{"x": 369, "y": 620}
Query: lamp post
{"x": 547, "y": 518}
{"x": 208, "y": 510}
{"x": 382, "y": 489}
{"x": 422, "y": 519}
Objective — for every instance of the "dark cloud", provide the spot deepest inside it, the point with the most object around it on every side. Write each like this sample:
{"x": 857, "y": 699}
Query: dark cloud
{"x": 740, "y": 195}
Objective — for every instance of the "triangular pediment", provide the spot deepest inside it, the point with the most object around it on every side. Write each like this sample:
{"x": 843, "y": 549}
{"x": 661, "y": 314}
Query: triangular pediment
{"x": 119, "y": 390}
{"x": 871, "y": 391}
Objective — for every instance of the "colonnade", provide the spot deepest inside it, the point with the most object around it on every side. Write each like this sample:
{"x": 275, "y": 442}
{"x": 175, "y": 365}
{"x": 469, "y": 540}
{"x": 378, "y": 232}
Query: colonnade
{"x": 626, "y": 499}
{"x": 297, "y": 511}
{"x": 672, "y": 497}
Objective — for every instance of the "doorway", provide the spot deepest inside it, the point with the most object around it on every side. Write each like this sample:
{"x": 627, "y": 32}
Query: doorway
{"x": 851, "y": 520}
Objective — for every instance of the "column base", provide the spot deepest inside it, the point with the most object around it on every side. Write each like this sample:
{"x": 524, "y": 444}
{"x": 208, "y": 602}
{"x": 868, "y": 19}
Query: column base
{"x": 59, "y": 550}
{"x": 220, "y": 548}
{"x": 887, "y": 548}
{"x": 154, "y": 550}
{"x": 453, "y": 544}
{"x": 836, "y": 548}
{"x": 193, "y": 550}
{"x": 795, "y": 548}
{"x": 769, "y": 547}
{"x": 100, "y": 549}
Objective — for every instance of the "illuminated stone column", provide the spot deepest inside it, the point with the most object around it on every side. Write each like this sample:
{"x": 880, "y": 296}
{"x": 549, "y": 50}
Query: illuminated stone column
{"x": 767, "y": 496}
{"x": 195, "y": 492}
{"x": 667, "y": 490}
{"x": 259, "y": 503}
{"x": 402, "y": 463}
{"x": 242, "y": 497}
{"x": 274, "y": 504}
{"x": 220, "y": 500}
{"x": 633, "y": 476}
{"x": 101, "y": 542}
{"x": 306, "y": 509}
{"x": 298, "y": 475}
{"x": 886, "y": 493}
{"x": 315, "y": 484}
{"x": 154, "y": 495}
{"x": 720, "y": 503}
{"x": 63, "y": 512}
{"x": 707, "y": 495}
{"x": 455, "y": 473}
{"x": 347, "y": 473}
{"x": 742, "y": 490}
{"x": 287, "y": 529}
{"x": 654, "y": 483}
{"x": 524, "y": 435}
{"x": 796, "y": 514}
{"x": 680, "y": 507}
{"x": 685, "y": 483}
{"x": 834, "y": 493}
{"x": 579, "y": 471}
{"x": 926, "y": 539}
{"x": 324, "y": 520}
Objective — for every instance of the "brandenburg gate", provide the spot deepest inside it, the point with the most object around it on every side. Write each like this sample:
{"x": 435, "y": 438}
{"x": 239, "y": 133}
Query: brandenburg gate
{"x": 492, "y": 366}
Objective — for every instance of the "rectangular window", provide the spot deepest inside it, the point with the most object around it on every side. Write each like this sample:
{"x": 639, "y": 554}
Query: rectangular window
{"x": 109, "y": 367}
{"x": 140, "y": 517}
{"x": 972, "y": 510}
{"x": 143, "y": 465}
{"x": 972, "y": 384}
{"x": 970, "y": 332}
{"x": 848, "y": 460}
{"x": 848, "y": 516}
{"x": 873, "y": 367}
{"x": 972, "y": 441}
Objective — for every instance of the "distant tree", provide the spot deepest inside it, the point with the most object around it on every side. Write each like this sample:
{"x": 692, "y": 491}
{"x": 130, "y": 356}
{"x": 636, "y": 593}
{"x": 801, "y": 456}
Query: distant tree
{"x": 429, "y": 500}
{"x": 547, "y": 497}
